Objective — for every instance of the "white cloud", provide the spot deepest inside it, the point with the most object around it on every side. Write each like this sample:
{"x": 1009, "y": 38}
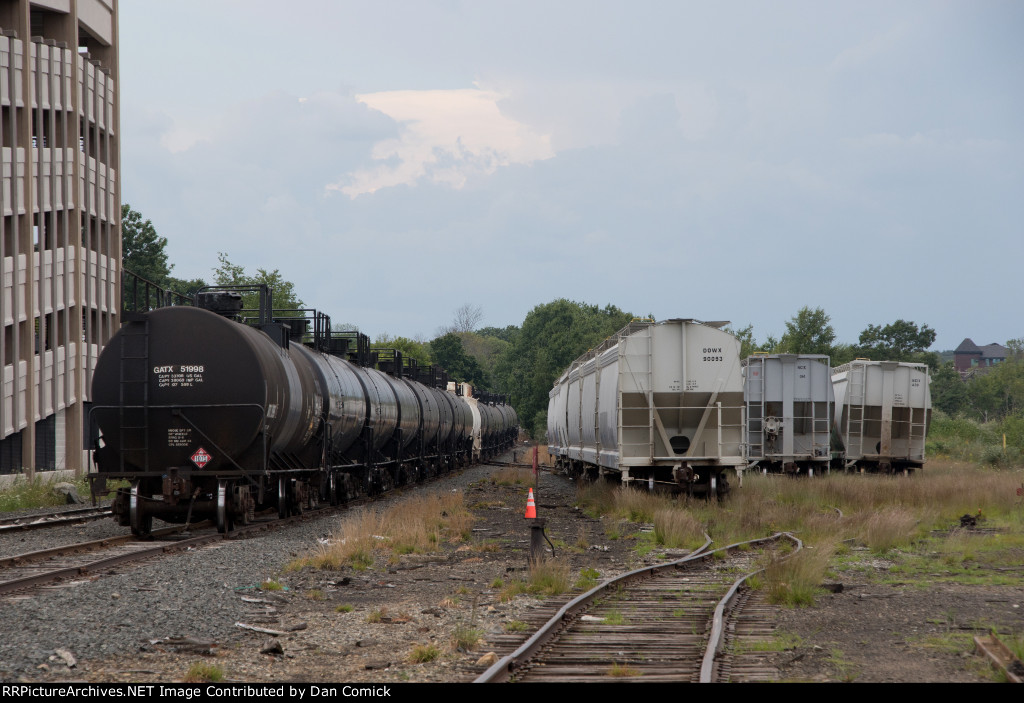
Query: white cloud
{"x": 445, "y": 136}
{"x": 870, "y": 49}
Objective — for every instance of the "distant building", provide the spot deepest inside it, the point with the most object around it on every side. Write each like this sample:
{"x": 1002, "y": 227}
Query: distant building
{"x": 60, "y": 212}
{"x": 970, "y": 358}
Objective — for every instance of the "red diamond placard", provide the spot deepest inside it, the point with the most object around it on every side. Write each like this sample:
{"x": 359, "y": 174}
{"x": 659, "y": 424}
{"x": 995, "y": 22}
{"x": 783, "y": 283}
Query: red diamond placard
{"x": 201, "y": 458}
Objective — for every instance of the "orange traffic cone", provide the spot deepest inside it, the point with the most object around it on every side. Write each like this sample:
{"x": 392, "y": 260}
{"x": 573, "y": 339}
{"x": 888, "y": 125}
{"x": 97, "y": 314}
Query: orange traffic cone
{"x": 531, "y": 507}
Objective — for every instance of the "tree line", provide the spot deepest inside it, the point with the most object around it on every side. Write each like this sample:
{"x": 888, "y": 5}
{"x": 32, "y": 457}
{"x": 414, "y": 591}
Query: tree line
{"x": 524, "y": 360}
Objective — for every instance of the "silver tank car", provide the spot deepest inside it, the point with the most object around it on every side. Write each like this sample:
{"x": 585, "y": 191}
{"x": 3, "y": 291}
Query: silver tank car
{"x": 656, "y": 402}
{"x": 882, "y": 413}
{"x": 790, "y": 403}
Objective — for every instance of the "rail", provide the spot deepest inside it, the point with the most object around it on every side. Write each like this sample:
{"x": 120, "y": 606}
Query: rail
{"x": 504, "y": 668}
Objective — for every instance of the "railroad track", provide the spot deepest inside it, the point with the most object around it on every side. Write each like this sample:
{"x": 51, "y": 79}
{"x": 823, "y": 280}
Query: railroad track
{"x": 84, "y": 559}
{"x": 54, "y": 518}
{"x": 667, "y": 623}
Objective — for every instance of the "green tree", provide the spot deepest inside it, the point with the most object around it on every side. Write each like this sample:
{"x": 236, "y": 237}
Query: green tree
{"x": 949, "y": 392}
{"x": 229, "y": 274}
{"x": 506, "y": 334}
{"x": 487, "y": 351}
{"x": 143, "y": 251}
{"x": 447, "y": 352}
{"x": 999, "y": 392}
{"x": 410, "y": 348}
{"x": 186, "y": 287}
{"x": 748, "y": 345}
{"x": 808, "y": 332}
{"x": 898, "y": 341}
{"x": 551, "y": 337}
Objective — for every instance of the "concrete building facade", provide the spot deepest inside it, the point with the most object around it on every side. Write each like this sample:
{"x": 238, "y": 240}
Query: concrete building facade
{"x": 60, "y": 238}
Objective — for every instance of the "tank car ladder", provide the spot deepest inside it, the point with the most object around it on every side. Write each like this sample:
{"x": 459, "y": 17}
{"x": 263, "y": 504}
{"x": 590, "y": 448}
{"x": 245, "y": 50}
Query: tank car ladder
{"x": 134, "y": 388}
{"x": 855, "y": 419}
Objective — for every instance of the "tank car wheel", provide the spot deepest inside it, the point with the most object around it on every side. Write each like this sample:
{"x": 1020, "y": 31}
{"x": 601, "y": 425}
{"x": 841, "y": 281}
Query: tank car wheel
{"x": 283, "y": 507}
{"x": 312, "y": 497}
{"x": 332, "y": 487}
{"x": 141, "y": 521}
{"x": 224, "y": 506}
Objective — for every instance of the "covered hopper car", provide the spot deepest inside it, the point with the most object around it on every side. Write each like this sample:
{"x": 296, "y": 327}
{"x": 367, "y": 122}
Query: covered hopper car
{"x": 882, "y": 413}
{"x": 789, "y": 402}
{"x": 660, "y": 403}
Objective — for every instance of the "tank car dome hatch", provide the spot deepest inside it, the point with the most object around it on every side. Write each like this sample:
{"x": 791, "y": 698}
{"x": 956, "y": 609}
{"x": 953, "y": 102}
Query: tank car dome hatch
{"x": 223, "y": 302}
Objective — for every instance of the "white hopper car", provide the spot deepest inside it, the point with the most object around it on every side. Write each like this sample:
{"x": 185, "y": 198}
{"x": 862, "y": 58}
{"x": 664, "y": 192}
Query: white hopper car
{"x": 656, "y": 402}
{"x": 790, "y": 402}
{"x": 882, "y": 413}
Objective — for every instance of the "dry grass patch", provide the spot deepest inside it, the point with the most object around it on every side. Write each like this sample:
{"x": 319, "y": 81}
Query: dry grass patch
{"x": 889, "y": 528}
{"x": 548, "y": 577}
{"x": 622, "y": 670}
{"x": 417, "y": 524}
{"x": 423, "y": 653}
{"x": 795, "y": 580}
{"x": 676, "y": 528}
{"x": 513, "y": 476}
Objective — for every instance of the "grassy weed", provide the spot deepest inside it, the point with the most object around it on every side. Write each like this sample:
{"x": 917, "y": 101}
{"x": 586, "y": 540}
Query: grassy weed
{"x": 795, "y": 581}
{"x": 588, "y": 579}
{"x": 466, "y": 637}
{"x": 423, "y": 653}
{"x": 37, "y": 492}
{"x": 676, "y": 529}
{"x": 201, "y": 672}
{"x": 622, "y": 670}
{"x": 516, "y": 626}
{"x": 614, "y": 617}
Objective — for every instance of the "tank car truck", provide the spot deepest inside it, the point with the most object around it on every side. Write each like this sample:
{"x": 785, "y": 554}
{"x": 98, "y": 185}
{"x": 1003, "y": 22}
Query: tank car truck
{"x": 790, "y": 402}
{"x": 882, "y": 413}
{"x": 660, "y": 403}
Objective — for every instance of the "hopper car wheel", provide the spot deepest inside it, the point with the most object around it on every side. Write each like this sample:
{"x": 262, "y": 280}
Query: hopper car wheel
{"x": 224, "y": 506}
{"x": 141, "y": 521}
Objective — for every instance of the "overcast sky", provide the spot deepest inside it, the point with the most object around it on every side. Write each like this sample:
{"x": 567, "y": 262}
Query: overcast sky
{"x": 715, "y": 160}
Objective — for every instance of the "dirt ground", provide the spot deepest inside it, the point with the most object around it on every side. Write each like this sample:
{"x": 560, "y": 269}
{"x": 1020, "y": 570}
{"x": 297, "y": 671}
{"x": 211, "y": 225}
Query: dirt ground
{"x": 865, "y": 633}
{"x": 896, "y": 634}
